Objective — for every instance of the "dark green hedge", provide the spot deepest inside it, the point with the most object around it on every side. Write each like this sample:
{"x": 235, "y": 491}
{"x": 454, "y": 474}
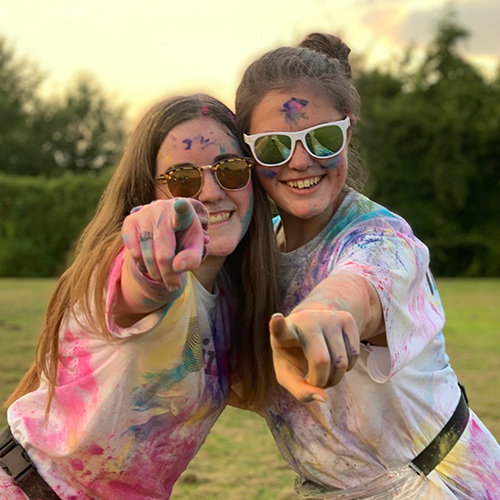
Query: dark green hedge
{"x": 41, "y": 220}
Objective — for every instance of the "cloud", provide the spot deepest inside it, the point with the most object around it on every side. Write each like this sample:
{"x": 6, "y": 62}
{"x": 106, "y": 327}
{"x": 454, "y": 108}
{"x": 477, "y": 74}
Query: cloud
{"x": 481, "y": 18}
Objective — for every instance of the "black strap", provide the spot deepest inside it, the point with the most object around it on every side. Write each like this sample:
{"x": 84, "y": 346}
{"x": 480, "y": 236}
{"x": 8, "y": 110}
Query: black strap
{"x": 16, "y": 463}
{"x": 442, "y": 444}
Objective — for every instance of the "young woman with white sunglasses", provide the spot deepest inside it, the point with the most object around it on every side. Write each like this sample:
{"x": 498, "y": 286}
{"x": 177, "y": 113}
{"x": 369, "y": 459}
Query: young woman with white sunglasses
{"x": 370, "y": 406}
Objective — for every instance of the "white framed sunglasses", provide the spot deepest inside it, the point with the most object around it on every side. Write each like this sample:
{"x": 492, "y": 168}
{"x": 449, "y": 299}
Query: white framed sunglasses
{"x": 272, "y": 149}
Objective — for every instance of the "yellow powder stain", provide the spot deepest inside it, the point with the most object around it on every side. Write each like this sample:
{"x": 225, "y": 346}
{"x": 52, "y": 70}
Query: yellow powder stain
{"x": 458, "y": 454}
{"x": 121, "y": 459}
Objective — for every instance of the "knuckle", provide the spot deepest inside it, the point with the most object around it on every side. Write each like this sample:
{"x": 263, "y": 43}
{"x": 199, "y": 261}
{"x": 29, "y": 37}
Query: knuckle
{"x": 135, "y": 254}
{"x": 354, "y": 352}
{"x": 322, "y": 362}
{"x": 164, "y": 259}
{"x": 341, "y": 363}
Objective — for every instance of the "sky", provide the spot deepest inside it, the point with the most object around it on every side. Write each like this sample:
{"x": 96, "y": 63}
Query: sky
{"x": 141, "y": 51}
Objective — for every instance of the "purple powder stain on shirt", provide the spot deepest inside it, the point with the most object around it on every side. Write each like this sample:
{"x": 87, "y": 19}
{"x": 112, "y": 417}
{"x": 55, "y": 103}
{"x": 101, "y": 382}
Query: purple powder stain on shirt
{"x": 293, "y": 110}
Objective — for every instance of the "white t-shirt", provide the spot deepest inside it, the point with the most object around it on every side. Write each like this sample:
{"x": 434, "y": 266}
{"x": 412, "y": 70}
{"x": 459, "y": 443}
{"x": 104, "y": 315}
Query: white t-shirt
{"x": 397, "y": 398}
{"x": 129, "y": 414}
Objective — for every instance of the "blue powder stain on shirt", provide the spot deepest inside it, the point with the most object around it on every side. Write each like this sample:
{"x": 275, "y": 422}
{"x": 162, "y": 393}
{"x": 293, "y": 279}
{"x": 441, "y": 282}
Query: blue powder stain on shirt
{"x": 279, "y": 423}
{"x": 146, "y": 397}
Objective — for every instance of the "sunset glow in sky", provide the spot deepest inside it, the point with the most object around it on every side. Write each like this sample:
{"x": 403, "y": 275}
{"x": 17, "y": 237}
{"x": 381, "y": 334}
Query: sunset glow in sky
{"x": 142, "y": 51}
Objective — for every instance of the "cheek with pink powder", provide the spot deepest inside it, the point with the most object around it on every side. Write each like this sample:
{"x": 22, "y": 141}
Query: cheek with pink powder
{"x": 334, "y": 163}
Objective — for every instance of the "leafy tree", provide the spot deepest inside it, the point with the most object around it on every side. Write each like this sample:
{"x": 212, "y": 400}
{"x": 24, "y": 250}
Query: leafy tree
{"x": 81, "y": 131}
{"x": 19, "y": 83}
{"x": 430, "y": 138}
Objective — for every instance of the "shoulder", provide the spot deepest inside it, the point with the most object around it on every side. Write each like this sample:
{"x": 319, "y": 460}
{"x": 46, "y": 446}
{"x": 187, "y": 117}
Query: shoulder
{"x": 358, "y": 211}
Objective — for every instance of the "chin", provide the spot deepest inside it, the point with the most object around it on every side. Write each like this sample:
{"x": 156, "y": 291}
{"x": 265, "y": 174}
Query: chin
{"x": 305, "y": 212}
{"x": 221, "y": 250}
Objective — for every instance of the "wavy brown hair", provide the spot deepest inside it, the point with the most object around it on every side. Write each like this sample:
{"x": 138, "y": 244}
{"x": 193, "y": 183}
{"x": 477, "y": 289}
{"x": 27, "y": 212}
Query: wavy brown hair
{"x": 321, "y": 61}
{"x": 251, "y": 267}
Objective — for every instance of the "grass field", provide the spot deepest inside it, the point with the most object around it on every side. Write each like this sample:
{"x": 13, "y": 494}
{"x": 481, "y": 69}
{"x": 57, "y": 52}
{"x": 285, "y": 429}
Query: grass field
{"x": 239, "y": 459}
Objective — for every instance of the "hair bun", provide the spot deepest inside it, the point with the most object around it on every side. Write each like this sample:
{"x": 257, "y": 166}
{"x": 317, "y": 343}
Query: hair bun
{"x": 330, "y": 45}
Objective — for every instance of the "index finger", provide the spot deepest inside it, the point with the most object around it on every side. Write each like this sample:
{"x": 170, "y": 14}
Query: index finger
{"x": 190, "y": 236}
{"x": 290, "y": 364}
{"x": 281, "y": 331}
{"x": 184, "y": 212}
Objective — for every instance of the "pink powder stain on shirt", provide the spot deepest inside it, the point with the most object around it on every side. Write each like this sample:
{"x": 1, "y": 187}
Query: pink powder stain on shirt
{"x": 475, "y": 448}
{"x": 77, "y": 464}
{"x": 77, "y": 389}
{"x": 95, "y": 449}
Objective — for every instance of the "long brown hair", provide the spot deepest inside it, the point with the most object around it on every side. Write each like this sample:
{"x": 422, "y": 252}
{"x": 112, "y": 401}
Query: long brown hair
{"x": 322, "y": 62}
{"x": 251, "y": 267}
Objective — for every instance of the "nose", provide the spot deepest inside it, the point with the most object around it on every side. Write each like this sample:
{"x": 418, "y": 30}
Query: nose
{"x": 210, "y": 191}
{"x": 300, "y": 159}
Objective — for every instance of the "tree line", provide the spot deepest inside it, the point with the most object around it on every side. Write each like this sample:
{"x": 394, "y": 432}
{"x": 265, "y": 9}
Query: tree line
{"x": 80, "y": 131}
{"x": 429, "y": 137}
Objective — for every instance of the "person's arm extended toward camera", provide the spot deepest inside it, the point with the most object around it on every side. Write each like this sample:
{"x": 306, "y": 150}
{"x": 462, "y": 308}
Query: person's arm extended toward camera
{"x": 163, "y": 240}
{"x": 319, "y": 341}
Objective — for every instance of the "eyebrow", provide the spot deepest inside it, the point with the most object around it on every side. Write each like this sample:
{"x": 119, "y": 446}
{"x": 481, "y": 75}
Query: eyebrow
{"x": 218, "y": 158}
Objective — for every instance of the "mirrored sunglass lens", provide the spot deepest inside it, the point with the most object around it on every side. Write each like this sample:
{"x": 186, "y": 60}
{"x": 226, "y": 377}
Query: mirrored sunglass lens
{"x": 233, "y": 174}
{"x": 184, "y": 182}
{"x": 273, "y": 149}
{"x": 325, "y": 141}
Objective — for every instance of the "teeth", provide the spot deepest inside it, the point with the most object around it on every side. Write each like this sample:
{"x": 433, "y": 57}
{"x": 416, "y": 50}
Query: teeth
{"x": 306, "y": 183}
{"x": 220, "y": 217}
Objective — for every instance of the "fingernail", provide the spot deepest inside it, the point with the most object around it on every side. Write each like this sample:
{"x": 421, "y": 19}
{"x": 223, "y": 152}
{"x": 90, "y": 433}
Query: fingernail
{"x": 276, "y": 315}
{"x": 173, "y": 288}
{"x": 318, "y": 398}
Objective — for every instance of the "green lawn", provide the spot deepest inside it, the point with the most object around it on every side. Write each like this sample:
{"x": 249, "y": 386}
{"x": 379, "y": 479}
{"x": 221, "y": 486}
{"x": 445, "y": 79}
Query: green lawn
{"x": 239, "y": 459}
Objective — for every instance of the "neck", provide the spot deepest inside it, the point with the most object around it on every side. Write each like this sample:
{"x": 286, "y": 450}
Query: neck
{"x": 297, "y": 232}
{"x": 207, "y": 273}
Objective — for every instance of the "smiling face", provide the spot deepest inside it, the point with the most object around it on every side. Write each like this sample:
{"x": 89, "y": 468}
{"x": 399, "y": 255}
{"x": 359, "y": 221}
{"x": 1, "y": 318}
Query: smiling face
{"x": 202, "y": 142}
{"x": 305, "y": 189}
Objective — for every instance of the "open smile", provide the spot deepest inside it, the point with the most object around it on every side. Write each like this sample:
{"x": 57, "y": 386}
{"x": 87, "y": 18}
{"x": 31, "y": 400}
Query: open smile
{"x": 217, "y": 218}
{"x": 303, "y": 183}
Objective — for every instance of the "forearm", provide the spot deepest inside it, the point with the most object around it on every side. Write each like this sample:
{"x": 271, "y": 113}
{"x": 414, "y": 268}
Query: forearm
{"x": 137, "y": 295}
{"x": 351, "y": 293}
